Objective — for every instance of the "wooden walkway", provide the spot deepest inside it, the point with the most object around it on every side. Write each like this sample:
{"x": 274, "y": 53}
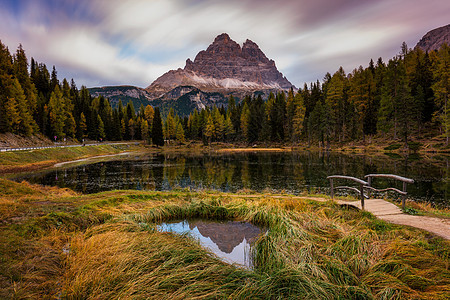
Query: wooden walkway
{"x": 383, "y": 210}
{"x": 389, "y": 212}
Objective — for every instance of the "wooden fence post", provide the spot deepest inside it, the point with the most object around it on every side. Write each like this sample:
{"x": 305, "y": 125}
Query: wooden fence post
{"x": 404, "y": 196}
{"x": 332, "y": 190}
{"x": 361, "y": 187}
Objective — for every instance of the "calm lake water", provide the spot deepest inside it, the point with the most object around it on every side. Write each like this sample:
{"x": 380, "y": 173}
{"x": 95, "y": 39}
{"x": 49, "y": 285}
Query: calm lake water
{"x": 288, "y": 172}
{"x": 231, "y": 241}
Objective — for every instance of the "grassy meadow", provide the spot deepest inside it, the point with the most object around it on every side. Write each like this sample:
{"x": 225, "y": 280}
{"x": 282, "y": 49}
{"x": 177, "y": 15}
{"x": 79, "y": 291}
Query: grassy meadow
{"x": 29, "y": 160}
{"x": 55, "y": 243}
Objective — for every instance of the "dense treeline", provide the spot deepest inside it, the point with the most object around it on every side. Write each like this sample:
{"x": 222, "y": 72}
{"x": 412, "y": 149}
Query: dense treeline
{"x": 32, "y": 100}
{"x": 408, "y": 96}
{"x": 402, "y": 98}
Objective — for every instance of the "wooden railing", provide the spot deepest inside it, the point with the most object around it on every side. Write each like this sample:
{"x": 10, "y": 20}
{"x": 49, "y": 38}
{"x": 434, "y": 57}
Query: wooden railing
{"x": 390, "y": 176}
{"x": 362, "y": 183}
{"x": 368, "y": 185}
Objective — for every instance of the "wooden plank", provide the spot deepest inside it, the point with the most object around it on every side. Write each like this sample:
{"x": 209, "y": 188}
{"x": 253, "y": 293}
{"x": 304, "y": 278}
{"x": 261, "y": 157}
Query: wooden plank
{"x": 378, "y": 207}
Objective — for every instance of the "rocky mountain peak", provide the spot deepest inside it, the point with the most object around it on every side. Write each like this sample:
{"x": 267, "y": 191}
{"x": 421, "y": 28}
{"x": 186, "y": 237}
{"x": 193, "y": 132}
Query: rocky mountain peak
{"x": 224, "y": 37}
{"x": 250, "y": 44}
{"x": 435, "y": 38}
{"x": 223, "y": 67}
{"x": 251, "y": 51}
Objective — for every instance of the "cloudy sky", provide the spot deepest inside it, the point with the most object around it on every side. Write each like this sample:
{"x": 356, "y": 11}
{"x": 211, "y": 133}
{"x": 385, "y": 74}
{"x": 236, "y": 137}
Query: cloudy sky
{"x": 111, "y": 42}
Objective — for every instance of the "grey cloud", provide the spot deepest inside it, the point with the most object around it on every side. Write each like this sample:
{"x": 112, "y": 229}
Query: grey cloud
{"x": 138, "y": 40}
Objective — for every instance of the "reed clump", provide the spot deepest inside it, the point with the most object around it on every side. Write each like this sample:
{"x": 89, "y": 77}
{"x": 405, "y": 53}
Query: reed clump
{"x": 106, "y": 246}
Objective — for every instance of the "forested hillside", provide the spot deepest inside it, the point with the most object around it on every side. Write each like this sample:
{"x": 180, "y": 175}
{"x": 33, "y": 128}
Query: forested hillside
{"x": 403, "y": 98}
{"x": 33, "y": 100}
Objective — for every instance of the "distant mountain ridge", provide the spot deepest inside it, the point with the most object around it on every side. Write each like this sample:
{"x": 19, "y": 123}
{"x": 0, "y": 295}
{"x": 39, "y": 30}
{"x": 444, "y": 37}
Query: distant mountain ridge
{"x": 125, "y": 93}
{"x": 435, "y": 38}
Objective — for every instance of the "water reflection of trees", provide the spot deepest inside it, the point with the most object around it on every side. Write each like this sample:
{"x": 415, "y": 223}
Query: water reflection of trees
{"x": 173, "y": 170}
{"x": 230, "y": 172}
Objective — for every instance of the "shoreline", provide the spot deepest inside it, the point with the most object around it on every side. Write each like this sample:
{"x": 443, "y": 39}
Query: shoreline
{"x": 36, "y": 159}
{"x": 87, "y": 159}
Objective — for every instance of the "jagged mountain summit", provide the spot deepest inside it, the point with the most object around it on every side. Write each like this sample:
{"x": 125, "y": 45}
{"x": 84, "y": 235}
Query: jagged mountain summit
{"x": 224, "y": 67}
{"x": 435, "y": 38}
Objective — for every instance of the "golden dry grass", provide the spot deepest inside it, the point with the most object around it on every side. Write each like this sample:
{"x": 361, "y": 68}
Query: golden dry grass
{"x": 57, "y": 244}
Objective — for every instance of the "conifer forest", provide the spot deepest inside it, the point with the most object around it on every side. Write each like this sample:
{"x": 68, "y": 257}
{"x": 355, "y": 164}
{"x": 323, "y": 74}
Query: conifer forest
{"x": 403, "y": 99}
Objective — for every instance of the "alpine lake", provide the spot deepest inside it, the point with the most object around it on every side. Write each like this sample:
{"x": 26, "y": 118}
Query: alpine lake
{"x": 277, "y": 172}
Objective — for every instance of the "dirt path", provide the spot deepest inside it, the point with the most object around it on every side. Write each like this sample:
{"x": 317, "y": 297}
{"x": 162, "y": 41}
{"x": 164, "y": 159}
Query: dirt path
{"x": 89, "y": 158}
{"x": 389, "y": 212}
{"x": 59, "y": 145}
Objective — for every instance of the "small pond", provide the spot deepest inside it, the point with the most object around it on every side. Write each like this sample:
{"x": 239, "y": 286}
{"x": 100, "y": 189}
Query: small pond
{"x": 231, "y": 241}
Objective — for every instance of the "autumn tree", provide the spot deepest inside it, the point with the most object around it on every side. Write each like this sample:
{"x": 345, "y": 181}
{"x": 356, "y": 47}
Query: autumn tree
{"x": 209, "y": 129}
{"x": 180, "y": 133}
{"x": 170, "y": 125}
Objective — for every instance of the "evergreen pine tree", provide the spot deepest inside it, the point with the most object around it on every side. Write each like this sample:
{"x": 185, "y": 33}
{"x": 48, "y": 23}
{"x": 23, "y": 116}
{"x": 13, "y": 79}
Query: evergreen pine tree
{"x": 441, "y": 87}
{"x": 100, "y": 129}
{"x": 132, "y": 128}
{"x": 157, "y": 131}
{"x": 144, "y": 130}
{"x": 56, "y": 113}
{"x": 299, "y": 117}
{"x": 82, "y": 127}
{"x": 21, "y": 73}
{"x": 290, "y": 112}
{"x": 245, "y": 121}
{"x": 6, "y": 82}
{"x": 54, "y": 79}
{"x": 234, "y": 114}
{"x": 336, "y": 99}
{"x": 27, "y": 124}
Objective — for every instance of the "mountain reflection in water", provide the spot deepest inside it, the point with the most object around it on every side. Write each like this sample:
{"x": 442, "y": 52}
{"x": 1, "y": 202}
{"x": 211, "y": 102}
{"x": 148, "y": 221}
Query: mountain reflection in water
{"x": 230, "y": 240}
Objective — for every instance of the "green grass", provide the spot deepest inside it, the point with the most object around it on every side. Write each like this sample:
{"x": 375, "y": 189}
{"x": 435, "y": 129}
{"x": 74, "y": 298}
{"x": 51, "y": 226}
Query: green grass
{"x": 106, "y": 246}
{"x": 34, "y": 159}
